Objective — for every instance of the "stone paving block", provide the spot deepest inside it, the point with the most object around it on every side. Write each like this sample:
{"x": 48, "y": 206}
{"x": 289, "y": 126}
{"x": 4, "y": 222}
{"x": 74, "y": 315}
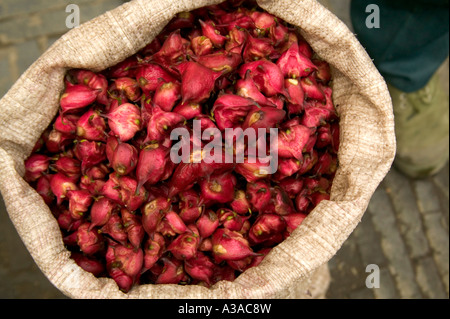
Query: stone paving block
{"x": 429, "y": 280}
{"x": 442, "y": 180}
{"x": 4, "y": 250}
{"x": 10, "y": 8}
{"x": 368, "y": 242}
{"x": 24, "y": 27}
{"x": 383, "y": 218}
{"x": 5, "y": 72}
{"x": 27, "y": 284}
{"x": 20, "y": 277}
{"x": 6, "y": 291}
{"x": 403, "y": 200}
{"x": 445, "y": 281}
{"x": 439, "y": 241}
{"x": 18, "y": 257}
{"x": 27, "y": 53}
{"x": 52, "y": 39}
{"x": 363, "y": 293}
{"x": 89, "y": 11}
{"x": 427, "y": 198}
{"x": 445, "y": 210}
{"x": 50, "y": 21}
{"x": 54, "y": 22}
{"x": 13, "y": 8}
{"x": 387, "y": 288}
{"x": 347, "y": 269}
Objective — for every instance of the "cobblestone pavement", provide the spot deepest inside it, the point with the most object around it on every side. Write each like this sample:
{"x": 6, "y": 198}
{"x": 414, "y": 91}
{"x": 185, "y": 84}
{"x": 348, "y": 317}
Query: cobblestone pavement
{"x": 404, "y": 231}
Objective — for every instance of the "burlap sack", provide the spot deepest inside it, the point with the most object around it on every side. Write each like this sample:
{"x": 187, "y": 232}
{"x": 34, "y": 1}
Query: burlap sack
{"x": 298, "y": 266}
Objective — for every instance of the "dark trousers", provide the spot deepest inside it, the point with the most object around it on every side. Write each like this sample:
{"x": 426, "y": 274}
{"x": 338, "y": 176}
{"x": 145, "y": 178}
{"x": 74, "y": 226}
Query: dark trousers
{"x": 412, "y": 40}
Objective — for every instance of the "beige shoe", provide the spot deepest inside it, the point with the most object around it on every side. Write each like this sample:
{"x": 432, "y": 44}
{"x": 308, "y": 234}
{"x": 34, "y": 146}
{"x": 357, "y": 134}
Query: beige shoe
{"x": 422, "y": 129}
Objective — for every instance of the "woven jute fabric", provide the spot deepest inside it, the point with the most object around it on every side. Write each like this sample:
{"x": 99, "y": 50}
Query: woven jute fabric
{"x": 296, "y": 268}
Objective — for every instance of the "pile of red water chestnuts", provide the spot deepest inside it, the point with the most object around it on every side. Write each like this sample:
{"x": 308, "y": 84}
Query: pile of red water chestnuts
{"x": 127, "y": 211}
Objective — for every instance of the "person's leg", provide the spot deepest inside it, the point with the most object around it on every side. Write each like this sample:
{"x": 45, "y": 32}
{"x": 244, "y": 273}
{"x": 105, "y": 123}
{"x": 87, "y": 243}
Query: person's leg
{"x": 408, "y": 48}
